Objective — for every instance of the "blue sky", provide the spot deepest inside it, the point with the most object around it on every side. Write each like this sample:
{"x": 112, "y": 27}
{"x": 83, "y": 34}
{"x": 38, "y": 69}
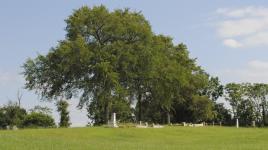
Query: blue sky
{"x": 229, "y": 37}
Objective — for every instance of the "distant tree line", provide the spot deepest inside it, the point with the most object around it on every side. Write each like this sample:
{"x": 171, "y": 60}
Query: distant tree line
{"x": 249, "y": 102}
{"x": 13, "y": 116}
{"x": 113, "y": 62}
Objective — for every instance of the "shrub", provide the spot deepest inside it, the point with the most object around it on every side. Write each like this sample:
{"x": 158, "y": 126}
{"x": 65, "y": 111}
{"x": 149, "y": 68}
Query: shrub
{"x": 11, "y": 115}
{"x": 64, "y": 113}
{"x": 38, "y": 120}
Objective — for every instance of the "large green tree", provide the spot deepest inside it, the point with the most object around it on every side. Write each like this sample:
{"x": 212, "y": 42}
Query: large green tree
{"x": 169, "y": 74}
{"x": 213, "y": 90}
{"x": 104, "y": 56}
{"x": 257, "y": 95}
{"x": 234, "y": 95}
{"x": 114, "y": 62}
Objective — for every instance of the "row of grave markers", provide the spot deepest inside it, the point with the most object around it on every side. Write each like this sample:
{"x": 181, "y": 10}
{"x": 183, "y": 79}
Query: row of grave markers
{"x": 113, "y": 122}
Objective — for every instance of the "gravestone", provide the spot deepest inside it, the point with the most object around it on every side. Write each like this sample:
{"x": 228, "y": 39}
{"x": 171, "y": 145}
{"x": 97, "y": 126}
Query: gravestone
{"x": 253, "y": 124}
{"x": 14, "y": 128}
{"x": 113, "y": 123}
{"x": 142, "y": 126}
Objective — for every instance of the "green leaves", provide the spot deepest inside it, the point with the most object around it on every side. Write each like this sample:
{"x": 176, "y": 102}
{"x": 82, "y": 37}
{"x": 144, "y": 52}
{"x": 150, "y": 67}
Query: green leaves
{"x": 248, "y": 101}
{"x": 202, "y": 108}
{"x": 112, "y": 60}
{"x": 38, "y": 120}
{"x": 62, "y": 107}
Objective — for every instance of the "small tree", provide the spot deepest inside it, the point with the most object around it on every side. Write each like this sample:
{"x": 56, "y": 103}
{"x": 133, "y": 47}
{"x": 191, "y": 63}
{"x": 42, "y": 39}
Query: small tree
{"x": 234, "y": 95}
{"x": 223, "y": 114}
{"x": 201, "y": 108}
{"x": 12, "y": 115}
{"x": 37, "y": 120}
{"x": 64, "y": 113}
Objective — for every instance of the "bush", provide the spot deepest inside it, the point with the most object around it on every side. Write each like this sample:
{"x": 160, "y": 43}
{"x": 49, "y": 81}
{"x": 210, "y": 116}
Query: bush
{"x": 64, "y": 113}
{"x": 38, "y": 120}
{"x": 11, "y": 115}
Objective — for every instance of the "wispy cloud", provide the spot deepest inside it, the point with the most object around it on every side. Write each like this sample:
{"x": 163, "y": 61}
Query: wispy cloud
{"x": 232, "y": 43}
{"x": 7, "y": 78}
{"x": 253, "y": 71}
{"x": 243, "y": 27}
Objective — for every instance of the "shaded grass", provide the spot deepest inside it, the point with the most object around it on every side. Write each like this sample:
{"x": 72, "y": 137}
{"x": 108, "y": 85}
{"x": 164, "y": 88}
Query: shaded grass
{"x": 168, "y": 138}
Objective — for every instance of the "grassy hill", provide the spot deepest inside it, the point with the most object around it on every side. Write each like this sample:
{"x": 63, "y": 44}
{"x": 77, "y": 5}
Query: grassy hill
{"x": 169, "y": 138}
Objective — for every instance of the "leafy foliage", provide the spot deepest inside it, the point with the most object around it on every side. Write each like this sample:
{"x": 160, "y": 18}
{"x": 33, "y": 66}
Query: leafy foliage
{"x": 62, "y": 107}
{"x": 38, "y": 120}
{"x": 12, "y": 115}
{"x": 115, "y": 63}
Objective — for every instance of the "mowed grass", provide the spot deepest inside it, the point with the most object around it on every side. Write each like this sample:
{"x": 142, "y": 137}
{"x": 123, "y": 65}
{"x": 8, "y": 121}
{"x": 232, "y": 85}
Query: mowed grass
{"x": 168, "y": 138}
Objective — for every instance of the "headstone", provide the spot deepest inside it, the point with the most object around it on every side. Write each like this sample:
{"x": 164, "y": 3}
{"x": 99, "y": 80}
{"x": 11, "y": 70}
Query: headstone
{"x": 253, "y": 124}
{"x": 114, "y": 124}
{"x": 157, "y": 126}
{"x": 142, "y": 126}
{"x": 14, "y": 128}
{"x": 237, "y": 123}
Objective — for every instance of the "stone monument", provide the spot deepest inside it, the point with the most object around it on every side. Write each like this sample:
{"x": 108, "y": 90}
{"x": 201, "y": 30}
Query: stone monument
{"x": 113, "y": 123}
{"x": 253, "y": 124}
{"x": 237, "y": 123}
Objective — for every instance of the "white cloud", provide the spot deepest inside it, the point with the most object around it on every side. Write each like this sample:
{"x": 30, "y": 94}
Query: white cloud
{"x": 254, "y": 71}
{"x": 258, "y": 65}
{"x": 260, "y": 39}
{"x": 232, "y": 43}
{"x": 242, "y": 27}
{"x": 247, "y": 26}
{"x": 249, "y": 11}
{"x": 7, "y": 78}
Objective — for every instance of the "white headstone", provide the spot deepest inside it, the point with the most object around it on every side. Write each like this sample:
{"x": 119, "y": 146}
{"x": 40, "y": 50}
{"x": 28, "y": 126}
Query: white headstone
{"x": 237, "y": 123}
{"x": 253, "y": 124}
{"x": 114, "y": 124}
{"x": 14, "y": 128}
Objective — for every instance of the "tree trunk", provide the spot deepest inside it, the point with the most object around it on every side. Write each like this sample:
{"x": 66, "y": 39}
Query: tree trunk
{"x": 263, "y": 116}
{"x": 139, "y": 105}
{"x": 107, "y": 113}
{"x": 168, "y": 117}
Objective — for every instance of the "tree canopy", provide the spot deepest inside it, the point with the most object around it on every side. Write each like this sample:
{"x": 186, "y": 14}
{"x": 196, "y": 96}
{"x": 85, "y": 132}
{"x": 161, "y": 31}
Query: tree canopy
{"x": 113, "y": 62}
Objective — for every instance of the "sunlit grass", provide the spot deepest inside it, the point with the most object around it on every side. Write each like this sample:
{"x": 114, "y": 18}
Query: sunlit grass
{"x": 170, "y": 138}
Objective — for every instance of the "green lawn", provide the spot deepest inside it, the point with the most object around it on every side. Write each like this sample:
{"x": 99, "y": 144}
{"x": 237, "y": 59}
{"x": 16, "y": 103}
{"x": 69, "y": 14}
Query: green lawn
{"x": 169, "y": 138}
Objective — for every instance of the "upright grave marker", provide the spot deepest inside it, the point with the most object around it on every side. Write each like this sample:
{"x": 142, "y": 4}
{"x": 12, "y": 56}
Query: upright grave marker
{"x": 113, "y": 123}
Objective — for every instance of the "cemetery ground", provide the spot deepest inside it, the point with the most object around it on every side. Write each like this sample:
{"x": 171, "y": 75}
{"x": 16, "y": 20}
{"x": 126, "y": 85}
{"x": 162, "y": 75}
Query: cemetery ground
{"x": 168, "y": 138}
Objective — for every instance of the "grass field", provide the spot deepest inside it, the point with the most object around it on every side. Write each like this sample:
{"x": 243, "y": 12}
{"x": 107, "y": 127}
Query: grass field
{"x": 169, "y": 138}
